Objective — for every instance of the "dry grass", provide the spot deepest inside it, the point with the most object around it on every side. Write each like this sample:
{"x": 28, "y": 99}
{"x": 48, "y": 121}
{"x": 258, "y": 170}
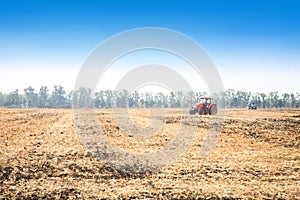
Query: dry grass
{"x": 257, "y": 156}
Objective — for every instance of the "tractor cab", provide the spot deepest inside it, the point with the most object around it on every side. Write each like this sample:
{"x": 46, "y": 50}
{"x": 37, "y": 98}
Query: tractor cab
{"x": 205, "y": 100}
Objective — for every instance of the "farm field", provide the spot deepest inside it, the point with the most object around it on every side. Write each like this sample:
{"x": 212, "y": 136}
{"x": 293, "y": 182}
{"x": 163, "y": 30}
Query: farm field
{"x": 257, "y": 155}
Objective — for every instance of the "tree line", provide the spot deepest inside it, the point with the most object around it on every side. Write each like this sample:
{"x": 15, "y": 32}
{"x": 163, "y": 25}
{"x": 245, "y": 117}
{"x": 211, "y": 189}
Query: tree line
{"x": 81, "y": 98}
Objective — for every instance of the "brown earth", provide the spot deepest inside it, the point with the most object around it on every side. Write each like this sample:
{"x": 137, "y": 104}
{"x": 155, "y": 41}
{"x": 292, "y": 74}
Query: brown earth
{"x": 257, "y": 155}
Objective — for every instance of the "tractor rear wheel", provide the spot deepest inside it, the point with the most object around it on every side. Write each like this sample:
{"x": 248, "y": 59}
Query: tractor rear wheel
{"x": 213, "y": 109}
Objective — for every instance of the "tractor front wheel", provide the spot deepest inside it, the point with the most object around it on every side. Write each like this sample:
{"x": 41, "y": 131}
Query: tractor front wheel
{"x": 202, "y": 111}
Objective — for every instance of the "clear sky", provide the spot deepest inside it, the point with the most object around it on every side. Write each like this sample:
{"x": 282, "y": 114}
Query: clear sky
{"x": 254, "y": 44}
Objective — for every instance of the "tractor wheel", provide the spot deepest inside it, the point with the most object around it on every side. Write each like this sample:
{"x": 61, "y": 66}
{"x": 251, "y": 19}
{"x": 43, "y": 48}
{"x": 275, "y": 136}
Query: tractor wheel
{"x": 213, "y": 109}
{"x": 202, "y": 111}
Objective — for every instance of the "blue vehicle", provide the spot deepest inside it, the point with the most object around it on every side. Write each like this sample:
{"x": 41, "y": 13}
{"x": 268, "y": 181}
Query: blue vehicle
{"x": 252, "y": 106}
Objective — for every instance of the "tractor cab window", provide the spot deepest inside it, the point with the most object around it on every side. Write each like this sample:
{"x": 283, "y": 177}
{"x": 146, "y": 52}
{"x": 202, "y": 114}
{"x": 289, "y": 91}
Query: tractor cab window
{"x": 208, "y": 101}
{"x": 203, "y": 101}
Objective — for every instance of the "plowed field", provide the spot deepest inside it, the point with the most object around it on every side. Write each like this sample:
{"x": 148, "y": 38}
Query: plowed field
{"x": 257, "y": 155}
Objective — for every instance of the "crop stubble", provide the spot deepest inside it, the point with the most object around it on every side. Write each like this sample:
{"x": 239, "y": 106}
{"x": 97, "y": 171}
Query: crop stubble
{"x": 257, "y": 155}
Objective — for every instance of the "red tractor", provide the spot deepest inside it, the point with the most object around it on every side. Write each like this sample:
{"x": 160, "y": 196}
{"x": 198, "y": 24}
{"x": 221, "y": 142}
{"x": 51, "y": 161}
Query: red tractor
{"x": 204, "y": 107}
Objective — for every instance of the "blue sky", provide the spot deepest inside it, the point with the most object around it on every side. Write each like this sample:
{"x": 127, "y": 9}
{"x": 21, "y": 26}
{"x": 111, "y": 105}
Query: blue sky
{"x": 254, "y": 44}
